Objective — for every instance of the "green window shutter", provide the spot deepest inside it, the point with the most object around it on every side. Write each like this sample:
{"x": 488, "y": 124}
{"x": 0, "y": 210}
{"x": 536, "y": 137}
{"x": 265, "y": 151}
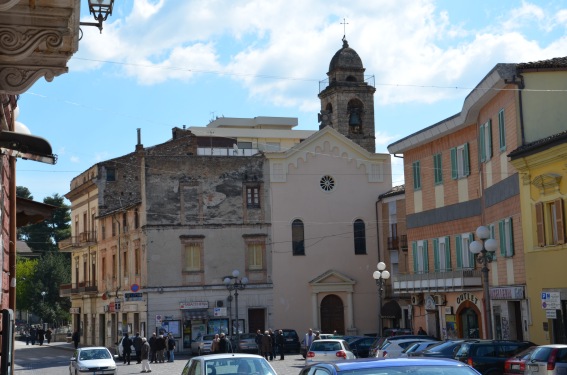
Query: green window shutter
{"x": 471, "y": 255}
{"x": 454, "y": 168}
{"x": 466, "y": 166}
{"x": 425, "y": 258}
{"x": 511, "y": 236}
{"x": 489, "y": 130}
{"x": 436, "y": 254}
{"x": 502, "y": 237}
{"x": 492, "y": 235}
{"x": 502, "y": 130}
{"x": 416, "y": 175}
{"x": 458, "y": 246}
{"x": 447, "y": 253}
{"x": 481, "y": 143}
{"x": 414, "y": 252}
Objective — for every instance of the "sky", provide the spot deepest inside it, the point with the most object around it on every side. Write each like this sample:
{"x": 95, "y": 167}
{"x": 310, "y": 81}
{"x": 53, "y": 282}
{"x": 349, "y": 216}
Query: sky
{"x": 160, "y": 64}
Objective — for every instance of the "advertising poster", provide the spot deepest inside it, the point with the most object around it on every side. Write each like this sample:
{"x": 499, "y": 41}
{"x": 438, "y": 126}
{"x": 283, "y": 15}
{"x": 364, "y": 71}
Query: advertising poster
{"x": 218, "y": 326}
{"x": 186, "y": 335}
{"x": 451, "y": 327}
{"x": 198, "y": 330}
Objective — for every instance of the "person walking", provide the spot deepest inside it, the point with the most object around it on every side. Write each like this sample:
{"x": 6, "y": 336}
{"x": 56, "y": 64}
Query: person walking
{"x": 280, "y": 343}
{"x": 160, "y": 349}
{"x": 145, "y": 355}
{"x": 48, "y": 334}
{"x": 309, "y": 337}
{"x": 171, "y": 347}
{"x": 153, "y": 348}
{"x": 266, "y": 344}
{"x": 40, "y": 335}
{"x": 33, "y": 335}
{"x": 215, "y": 344}
{"x": 75, "y": 338}
{"x": 258, "y": 340}
{"x": 273, "y": 338}
{"x": 137, "y": 341}
{"x": 27, "y": 335}
{"x": 223, "y": 344}
{"x": 126, "y": 348}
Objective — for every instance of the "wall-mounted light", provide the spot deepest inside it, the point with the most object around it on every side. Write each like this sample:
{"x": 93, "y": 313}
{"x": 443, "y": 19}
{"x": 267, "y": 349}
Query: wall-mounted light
{"x": 100, "y": 9}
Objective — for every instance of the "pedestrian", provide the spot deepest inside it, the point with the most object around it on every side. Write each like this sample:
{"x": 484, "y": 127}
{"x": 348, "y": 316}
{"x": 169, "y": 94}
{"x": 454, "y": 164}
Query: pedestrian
{"x": 48, "y": 334}
{"x": 273, "y": 338}
{"x": 421, "y": 331}
{"x": 215, "y": 344}
{"x": 224, "y": 345}
{"x": 153, "y": 348}
{"x": 309, "y": 336}
{"x": 33, "y": 335}
{"x": 160, "y": 349}
{"x": 75, "y": 338}
{"x": 280, "y": 342}
{"x": 266, "y": 344}
{"x": 27, "y": 335}
{"x": 126, "y": 348}
{"x": 145, "y": 355}
{"x": 40, "y": 335}
{"x": 137, "y": 341}
{"x": 258, "y": 340}
{"x": 317, "y": 336}
{"x": 171, "y": 347}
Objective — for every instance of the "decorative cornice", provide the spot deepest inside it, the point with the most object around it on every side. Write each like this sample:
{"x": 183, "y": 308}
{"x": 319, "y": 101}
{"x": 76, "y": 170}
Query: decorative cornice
{"x": 19, "y": 42}
{"x": 7, "y": 4}
{"x": 18, "y": 79}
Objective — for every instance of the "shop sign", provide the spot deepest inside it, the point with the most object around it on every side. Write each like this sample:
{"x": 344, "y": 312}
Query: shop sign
{"x": 194, "y": 305}
{"x": 133, "y": 296}
{"x": 220, "y": 311}
{"x": 75, "y": 310}
{"x": 551, "y": 314}
{"x": 510, "y": 292}
{"x": 467, "y": 297}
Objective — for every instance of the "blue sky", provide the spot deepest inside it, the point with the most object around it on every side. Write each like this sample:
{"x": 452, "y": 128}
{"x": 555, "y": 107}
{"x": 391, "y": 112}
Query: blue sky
{"x": 162, "y": 64}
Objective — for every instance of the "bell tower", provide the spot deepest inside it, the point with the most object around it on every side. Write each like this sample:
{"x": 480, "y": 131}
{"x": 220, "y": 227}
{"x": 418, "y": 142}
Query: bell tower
{"x": 347, "y": 102}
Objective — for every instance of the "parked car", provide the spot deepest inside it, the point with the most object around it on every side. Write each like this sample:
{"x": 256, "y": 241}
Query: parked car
{"x": 95, "y": 359}
{"x": 228, "y": 363}
{"x": 120, "y": 348}
{"x": 489, "y": 356}
{"x": 418, "y": 347}
{"x": 446, "y": 349}
{"x": 380, "y": 341}
{"x": 202, "y": 345}
{"x": 247, "y": 343}
{"x": 548, "y": 360}
{"x": 394, "y": 348}
{"x": 517, "y": 364}
{"x": 303, "y": 347}
{"x": 291, "y": 341}
{"x": 388, "y": 332}
{"x": 396, "y": 366}
{"x": 360, "y": 346}
{"x": 328, "y": 350}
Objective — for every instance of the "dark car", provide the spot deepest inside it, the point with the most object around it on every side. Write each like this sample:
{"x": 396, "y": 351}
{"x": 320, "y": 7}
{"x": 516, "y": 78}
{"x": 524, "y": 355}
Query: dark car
{"x": 291, "y": 341}
{"x": 489, "y": 356}
{"x": 360, "y": 346}
{"x": 446, "y": 349}
{"x": 394, "y": 366}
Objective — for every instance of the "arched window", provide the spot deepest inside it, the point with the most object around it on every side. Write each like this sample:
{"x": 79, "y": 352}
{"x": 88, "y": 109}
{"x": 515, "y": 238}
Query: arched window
{"x": 351, "y": 79}
{"x": 297, "y": 237}
{"x": 354, "y": 110}
{"x": 359, "y": 237}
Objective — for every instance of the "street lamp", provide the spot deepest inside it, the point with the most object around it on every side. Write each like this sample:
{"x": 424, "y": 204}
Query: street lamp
{"x": 100, "y": 9}
{"x": 43, "y": 296}
{"x": 236, "y": 283}
{"x": 380, "y": 276}
{"x": 484, "y": 251}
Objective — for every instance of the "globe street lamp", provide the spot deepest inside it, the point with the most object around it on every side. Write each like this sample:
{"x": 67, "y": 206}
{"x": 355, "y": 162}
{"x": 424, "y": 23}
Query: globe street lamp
{"x": 236, "y": 283}
{"x": 380, "y": 276}
{"x": 43, "y": 296}
{"x": 484, "y": 251}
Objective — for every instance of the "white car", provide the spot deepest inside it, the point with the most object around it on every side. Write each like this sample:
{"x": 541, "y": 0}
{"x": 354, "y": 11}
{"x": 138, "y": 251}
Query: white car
{"x": 227, "y": 363}
{"x": 393, "y": 349}
{"x": 202, "y": 345}
{"x": 93, "y": 360}
{"x": 328, "y": 350}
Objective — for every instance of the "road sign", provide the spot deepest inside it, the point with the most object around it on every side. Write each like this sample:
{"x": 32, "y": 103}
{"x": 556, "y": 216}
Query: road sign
{"x": 551, "y": 314}
{"x": 551, "y": 300}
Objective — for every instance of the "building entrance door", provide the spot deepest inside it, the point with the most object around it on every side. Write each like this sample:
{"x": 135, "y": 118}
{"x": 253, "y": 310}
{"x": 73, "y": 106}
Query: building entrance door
{"x": 332, "y": 315}
{"x": 256, "y": 320}
{"x": 469, "y": 320}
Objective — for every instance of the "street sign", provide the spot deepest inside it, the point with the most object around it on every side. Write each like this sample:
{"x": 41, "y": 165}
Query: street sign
{"x": 551, "y": 314}
{"x": 551, "y": 300}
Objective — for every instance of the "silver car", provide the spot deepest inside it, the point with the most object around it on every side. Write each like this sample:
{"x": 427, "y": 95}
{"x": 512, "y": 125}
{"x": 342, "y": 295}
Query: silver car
{"x": 548, "y": 360}
{"x": 235, "y": 363}
{"x": 93, "y": 360}
{"x": 328, "y": 350}
{"x": 202, "y": 345}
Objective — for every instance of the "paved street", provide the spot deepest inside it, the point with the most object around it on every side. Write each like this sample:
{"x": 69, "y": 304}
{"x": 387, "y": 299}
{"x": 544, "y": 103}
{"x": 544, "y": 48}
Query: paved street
{"x": 53, "y": 359}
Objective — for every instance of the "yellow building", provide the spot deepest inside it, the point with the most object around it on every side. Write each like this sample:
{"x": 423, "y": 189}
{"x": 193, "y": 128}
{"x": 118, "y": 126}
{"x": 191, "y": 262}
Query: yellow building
{"x": 543, "y": 190}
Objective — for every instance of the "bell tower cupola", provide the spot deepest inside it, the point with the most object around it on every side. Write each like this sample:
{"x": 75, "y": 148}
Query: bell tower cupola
{"x": 347, "y": 100}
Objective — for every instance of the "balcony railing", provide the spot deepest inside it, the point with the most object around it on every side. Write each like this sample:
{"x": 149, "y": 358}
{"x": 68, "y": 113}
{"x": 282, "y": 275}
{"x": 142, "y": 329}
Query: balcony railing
{"x": 398, "y": 242}
{"x": 83, "y": 239}
{"x": 84, "y": 287}
{"x": 458, "y": 280}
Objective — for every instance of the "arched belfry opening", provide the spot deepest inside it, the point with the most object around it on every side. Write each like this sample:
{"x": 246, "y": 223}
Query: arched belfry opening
{"x": 347, "y": 98}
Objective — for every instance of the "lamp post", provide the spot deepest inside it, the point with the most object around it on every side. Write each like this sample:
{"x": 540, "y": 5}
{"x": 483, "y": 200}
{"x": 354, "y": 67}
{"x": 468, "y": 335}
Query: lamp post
{"x": 100, "y": 9}
{"x": 380, "y": 276}
{"x": 236, "y": 283}
{"x": 484, "y": 250}
{"x": 43, "y": 296}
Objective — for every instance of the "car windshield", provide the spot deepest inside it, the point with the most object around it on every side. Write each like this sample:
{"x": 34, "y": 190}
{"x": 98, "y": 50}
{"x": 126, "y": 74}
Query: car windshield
{"x": 240, "y": 366}
{"x": 412, "y": 370}
{"x": 90, "y": 354}
{"x": 319, "y": 346}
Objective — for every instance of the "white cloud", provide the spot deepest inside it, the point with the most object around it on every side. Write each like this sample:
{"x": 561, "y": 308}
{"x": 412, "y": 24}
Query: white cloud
{"x": 75, "y": 159}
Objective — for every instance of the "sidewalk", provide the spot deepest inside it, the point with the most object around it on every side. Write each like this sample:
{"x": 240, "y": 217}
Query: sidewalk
{"x": 58, "y": 344}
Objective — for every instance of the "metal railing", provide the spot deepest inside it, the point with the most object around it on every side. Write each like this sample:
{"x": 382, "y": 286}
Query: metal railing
{"x": 78, "y": 288}
{"x": 457, "y": 280}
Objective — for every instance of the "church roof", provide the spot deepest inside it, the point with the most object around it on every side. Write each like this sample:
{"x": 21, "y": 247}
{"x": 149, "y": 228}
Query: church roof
{"x": 345, "y": 58}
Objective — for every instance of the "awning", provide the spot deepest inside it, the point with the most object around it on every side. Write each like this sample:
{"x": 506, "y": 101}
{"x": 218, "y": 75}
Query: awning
{"x": 391, "y": 310}
{"x": 197, "y": 314}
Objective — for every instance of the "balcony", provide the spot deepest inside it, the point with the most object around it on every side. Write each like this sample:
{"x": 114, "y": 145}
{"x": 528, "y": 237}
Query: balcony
{"x": 448, "y": 281}
{"x": 83, "y": 239}
{"x": 398, "y": 242}
{"x": 84, "y": 287}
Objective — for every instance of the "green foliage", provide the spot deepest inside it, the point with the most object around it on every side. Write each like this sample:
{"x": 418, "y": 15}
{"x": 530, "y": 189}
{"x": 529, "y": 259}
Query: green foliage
{"x": 23, "y": 192}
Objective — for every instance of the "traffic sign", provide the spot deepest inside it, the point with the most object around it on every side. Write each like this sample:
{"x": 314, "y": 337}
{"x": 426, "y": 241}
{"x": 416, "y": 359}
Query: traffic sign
{"x": 551, "y": 300}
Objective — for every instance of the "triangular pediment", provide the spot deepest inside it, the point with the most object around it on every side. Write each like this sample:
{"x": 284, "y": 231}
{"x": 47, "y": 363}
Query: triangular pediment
{"x": 332, "y": 277}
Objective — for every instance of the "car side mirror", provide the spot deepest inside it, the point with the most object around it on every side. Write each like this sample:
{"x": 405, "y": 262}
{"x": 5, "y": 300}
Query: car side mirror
{"x": 73, "y": 359}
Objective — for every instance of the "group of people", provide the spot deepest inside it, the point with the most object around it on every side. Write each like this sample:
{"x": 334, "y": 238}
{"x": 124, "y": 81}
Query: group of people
{"x": 157, "y": 349}
{"x": 220, "y": 344}
{"x": 162, "y": 348}
{"x": 270, "y": 343}
{"x": 37, "y": 333}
